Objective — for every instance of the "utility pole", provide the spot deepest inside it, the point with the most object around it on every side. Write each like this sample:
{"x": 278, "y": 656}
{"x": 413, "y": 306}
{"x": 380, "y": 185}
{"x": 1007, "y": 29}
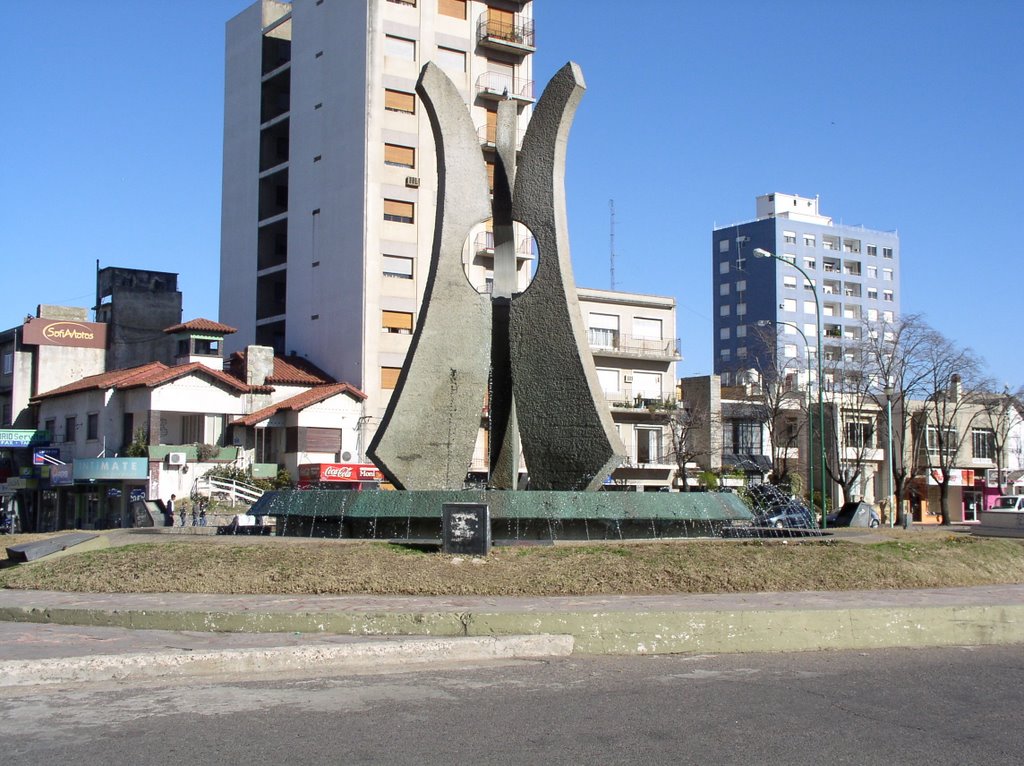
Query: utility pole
{"x": 611, "y": 242}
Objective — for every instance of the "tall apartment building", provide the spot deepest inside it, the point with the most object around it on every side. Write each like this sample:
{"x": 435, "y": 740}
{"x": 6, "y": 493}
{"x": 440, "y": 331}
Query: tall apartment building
{"x": 330, "y": 179}
{"x": 854, "y": 269}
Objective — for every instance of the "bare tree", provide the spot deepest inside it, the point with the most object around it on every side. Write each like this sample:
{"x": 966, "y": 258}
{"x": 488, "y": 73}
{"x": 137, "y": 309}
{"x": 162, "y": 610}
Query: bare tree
{"x": 897, "y": 365}
{"x": 689, "y": 428}
{"x": 948, "y": 412}
{"x": 1000, "y": 415}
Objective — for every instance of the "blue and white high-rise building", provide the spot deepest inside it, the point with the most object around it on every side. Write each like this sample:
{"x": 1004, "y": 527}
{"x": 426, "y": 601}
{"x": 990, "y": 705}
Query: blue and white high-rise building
{"x": 854, "y": 269}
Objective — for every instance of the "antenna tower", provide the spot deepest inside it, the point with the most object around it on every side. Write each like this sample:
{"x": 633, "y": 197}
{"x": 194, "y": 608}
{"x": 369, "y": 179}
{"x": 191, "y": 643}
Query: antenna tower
{"x": 611, "y": 241}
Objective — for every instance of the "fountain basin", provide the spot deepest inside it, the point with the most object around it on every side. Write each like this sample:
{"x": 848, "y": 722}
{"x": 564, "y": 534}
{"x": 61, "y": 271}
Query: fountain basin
{"x": 528, "y": 515}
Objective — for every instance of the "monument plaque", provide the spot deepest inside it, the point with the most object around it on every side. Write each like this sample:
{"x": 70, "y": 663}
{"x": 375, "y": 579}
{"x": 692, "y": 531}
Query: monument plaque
{"x": 466, "y": 528}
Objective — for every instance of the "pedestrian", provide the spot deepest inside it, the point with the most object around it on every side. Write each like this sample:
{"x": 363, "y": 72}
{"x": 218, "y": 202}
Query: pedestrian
{"x": 181, "y": 517}
{"x": 170, "y": 512}
{"x": 202, "y": 516}
{"x": 195, "y": 517}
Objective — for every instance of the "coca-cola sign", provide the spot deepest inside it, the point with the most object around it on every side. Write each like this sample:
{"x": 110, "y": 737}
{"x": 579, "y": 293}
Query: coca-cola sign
{"x": 339, "y": 472}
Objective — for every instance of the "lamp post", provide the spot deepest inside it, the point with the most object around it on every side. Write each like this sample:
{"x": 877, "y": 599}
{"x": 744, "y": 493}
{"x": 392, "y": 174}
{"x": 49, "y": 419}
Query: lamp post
{"x": 810, "y": 413}
{"x": 888, "y": 452}
{"x": 760, "y": 252}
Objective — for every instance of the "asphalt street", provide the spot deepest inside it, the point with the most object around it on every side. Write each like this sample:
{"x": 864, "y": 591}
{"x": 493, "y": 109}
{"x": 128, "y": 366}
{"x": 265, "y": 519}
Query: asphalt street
{"x": 897, "y": 706}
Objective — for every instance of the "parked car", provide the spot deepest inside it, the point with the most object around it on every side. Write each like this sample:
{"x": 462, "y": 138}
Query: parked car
{"x": 1009, "y": 503}
{"x": 774, "y": 508}
{"x": 855, "y": 514}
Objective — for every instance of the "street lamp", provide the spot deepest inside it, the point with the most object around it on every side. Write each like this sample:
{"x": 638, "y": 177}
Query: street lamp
{"x": 810, "y": 413}
{"x": 888, "y": 453}
{"x": 760, "y": 252}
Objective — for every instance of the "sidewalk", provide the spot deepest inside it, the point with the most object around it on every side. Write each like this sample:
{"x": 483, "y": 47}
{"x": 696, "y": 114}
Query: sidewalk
{"x": 176, "y": 634}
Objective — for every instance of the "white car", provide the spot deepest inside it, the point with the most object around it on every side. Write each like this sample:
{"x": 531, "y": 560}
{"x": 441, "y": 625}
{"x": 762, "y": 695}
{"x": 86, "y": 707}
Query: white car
{"x": 1009, "y": 503}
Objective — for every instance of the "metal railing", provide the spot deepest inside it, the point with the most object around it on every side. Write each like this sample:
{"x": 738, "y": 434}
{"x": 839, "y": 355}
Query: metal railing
{"x": 504, "y": 86}
{"x": 228, "y": 489}
{"x": 612, "y": 341}
{"x": 518, "y": 32}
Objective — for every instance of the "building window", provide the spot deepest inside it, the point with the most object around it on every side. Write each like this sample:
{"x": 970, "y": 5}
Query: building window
{"x": 886, "y": 295}
{"x": 609, "y": 380}
{"x": 398, "y": 267}
{"x": 872, "y": 272}
{"x": 873, "y": 293}
{"x": 947, "y": 445}
{"x": 808, "y": 240}
{"x": 724, "y": 310}
{"x": 741, "y": 286}
{"x": 810, "y": 264}
{"x": 725, "y": 355}
{"x": 872, "y": 249}
{"x": 723, "y": 289}
{"x": 723, "y": 246}
{"x": 741, "y": 331}
{"x": 789, "y": 304}
{"x": 873, "y": 315}
{"x": 389, "y": 377}
{"x": 647, "y": 385}
{"x": 741, "y": 352}
{"x": 741, "y": 309}
{"x": 887, "y": 252}
{"x": 984, "y": 444}
{"x": 399, "y": 156}
{"x": 603, "y": 330}
{"x": 789, "y": 351}
{"x": 92, "y": 426}
{"x": 451, "y": 60}
{"x": 860, "y": 433}
{"x": 789, "y": 237}
{"x": 887, "y": 275}
{"x": 648, "y": 445}
{"x": 69, "y": 429}
{"x": 398, "y": 211}
{"x": 788, "y": 281}
{"x": 399, "y": 101}
{"x": 8, "y": 362}
{"x": 742, "y": 437}
{"x": 396, "y": 322}
{"x": 723, "y": 267}
{"x": 724, "y": 334}
{"x": 887, "y": 316}
{"x": 454, "y": 8}
{"x": 50, "y": 426}
{"x": 399, "y": 48}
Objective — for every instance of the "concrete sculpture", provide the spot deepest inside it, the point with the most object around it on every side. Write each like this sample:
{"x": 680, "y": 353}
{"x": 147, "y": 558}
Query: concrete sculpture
{"x": 532, "y": 345}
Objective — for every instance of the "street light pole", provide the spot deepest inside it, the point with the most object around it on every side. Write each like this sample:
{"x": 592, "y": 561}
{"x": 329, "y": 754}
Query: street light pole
{"x": 888, "y": 453}
{"x": 760, "y": 252}
{"x": 810, "y": 412}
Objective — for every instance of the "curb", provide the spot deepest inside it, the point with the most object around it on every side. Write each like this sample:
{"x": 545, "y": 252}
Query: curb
{"x": 604, "y": 631}
{"x": 362, "y": 655}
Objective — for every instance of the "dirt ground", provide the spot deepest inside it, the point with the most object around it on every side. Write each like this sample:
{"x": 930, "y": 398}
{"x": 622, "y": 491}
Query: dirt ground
{"x": 845, "y": 560}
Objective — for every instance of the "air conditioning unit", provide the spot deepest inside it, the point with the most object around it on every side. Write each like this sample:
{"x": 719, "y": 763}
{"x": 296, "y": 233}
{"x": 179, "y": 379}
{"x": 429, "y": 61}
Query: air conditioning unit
{"x": 175, "y": 458}
{"x": 627, "y": 378}
{"x": 412, "y": 182}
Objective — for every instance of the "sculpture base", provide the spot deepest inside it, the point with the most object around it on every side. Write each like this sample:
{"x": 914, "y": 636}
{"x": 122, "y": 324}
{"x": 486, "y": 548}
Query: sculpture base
{"x": 514, "y": 515}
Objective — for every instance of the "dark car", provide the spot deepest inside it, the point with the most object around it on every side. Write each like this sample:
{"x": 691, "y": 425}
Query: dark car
{"x": 774, "y": 508}
{"x": 855, "y": 514}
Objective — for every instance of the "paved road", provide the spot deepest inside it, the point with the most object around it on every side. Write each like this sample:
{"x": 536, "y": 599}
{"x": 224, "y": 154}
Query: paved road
{"x": 904, "y": 706}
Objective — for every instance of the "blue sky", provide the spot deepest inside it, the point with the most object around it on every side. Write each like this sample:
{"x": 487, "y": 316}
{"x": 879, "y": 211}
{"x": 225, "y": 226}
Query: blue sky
{"x": 899, "y": 115}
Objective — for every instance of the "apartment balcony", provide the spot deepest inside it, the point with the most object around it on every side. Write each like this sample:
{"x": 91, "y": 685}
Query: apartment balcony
{"x": 508, "y": 33}
{"x": 498, "y": 86}
{"x": 615, "y": 344}
{"x": 488, "y": 137}
{"x": 484, "y": 245}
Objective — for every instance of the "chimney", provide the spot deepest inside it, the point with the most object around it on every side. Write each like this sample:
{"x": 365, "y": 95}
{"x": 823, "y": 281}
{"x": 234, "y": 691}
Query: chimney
{"x": 954, "y": 387}
{"x": 259, "y": 364}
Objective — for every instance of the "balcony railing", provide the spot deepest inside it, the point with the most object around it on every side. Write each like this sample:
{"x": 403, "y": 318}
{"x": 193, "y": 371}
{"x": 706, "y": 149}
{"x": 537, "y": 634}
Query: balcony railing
{"x": 616, "y": 343}
{"x": 483, "y": 244}
{"x": 498, "y": 32}
{"x": 498, "y": 85}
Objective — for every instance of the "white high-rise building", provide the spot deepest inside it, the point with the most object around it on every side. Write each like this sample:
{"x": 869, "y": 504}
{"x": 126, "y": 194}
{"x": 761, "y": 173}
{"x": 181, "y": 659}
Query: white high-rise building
{"x": 329, "y": 190}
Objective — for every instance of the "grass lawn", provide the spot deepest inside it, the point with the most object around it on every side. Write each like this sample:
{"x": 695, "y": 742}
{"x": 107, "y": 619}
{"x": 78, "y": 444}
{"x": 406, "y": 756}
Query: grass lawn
{"x": 881, "y": 560}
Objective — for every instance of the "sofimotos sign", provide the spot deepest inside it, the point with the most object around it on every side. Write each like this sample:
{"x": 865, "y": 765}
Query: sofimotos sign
{"x": 64, "y": 332}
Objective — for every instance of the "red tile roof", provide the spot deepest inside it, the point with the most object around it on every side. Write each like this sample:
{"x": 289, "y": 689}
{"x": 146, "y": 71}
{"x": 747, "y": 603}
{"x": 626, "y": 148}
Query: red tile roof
{"x": 288, "y": 371}
{"x": 300, "y": 402}
{"x": 202, "y": 325}
{"x": 149, "y": 375}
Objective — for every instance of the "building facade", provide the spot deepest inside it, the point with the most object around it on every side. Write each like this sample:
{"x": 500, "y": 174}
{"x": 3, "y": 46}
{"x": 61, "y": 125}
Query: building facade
{"x": 853, "y": 271}
{"x": 330, "y": 179}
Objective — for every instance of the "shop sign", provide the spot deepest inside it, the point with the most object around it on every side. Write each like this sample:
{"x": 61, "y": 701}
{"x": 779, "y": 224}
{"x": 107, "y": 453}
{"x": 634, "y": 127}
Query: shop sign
{"x": 113, "y": 492}
{"x": 18, "y": 482}
{"x": 50, "y": 455}
{"x": 63, "y": 332}
{"x": 61, "y": 475}
{"x": 15, "y": 437}
{"x": 115, "y": 468}
{"x": 137, "y": 495}
{"x": 339, "y": 472}
{"x": 958, "y": 477}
